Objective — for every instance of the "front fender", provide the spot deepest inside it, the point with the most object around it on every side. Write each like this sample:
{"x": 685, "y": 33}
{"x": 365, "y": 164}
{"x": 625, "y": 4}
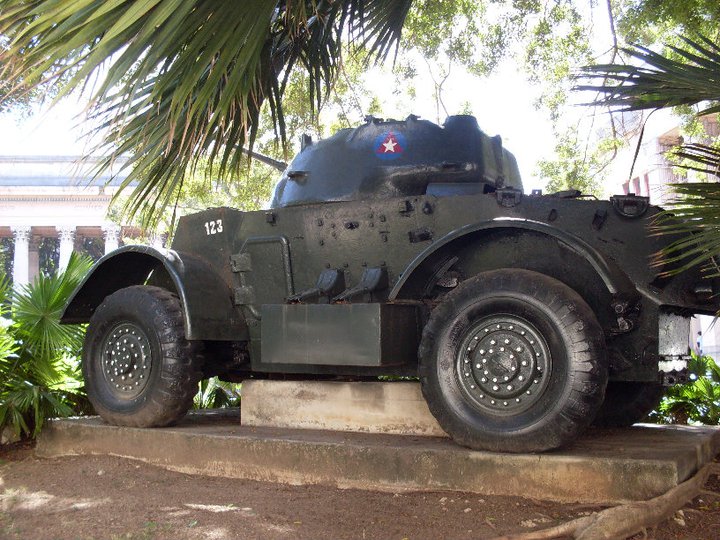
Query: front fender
{"x": 205, "y": 297}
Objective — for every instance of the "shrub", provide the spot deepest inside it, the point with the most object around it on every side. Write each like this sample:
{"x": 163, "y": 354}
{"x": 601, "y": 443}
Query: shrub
{"x": 40, "y": 358}
{"x": 214, "y": 393}
{"x": 695, "y": 402}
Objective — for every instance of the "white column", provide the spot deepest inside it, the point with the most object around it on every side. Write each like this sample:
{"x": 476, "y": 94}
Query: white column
{"x": 111, "y": 232}
{"x": 34, "y": 257}
{"x": 67, "y": 243}
{"x": 21, "y": 265}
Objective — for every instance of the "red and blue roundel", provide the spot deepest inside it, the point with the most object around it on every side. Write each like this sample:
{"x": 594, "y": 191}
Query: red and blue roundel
{"x": 390, "y": 145}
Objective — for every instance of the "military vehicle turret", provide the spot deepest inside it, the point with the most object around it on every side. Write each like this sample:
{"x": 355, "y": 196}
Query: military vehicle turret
{"x": 402, "y": 248}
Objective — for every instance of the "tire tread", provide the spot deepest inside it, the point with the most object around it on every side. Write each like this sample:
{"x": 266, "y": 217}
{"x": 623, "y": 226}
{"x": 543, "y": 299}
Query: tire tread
{"x": 587, "y": 348}
{"x": 181, "y": 361}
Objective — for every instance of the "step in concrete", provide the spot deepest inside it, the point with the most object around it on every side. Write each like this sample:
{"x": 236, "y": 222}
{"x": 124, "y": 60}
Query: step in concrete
{"x": 604, "y": 466}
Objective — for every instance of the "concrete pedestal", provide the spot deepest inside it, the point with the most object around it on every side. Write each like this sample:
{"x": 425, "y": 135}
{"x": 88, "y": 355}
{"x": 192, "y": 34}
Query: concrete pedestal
{"x": 604, "y": 466}
{"x": 366, "y": 407}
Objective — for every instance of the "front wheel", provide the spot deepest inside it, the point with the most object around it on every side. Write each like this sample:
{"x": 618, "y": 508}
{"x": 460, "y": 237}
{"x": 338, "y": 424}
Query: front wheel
{"x": 139, "y": 369}
{"x": 513, "y": 361}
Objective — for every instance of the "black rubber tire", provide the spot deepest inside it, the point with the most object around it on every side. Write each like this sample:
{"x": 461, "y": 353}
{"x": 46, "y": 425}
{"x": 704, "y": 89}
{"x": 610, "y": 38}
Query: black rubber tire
{"x": 628, "y": 402}
{"x": 566, "y": 332}
{"x": 166, "y": 376}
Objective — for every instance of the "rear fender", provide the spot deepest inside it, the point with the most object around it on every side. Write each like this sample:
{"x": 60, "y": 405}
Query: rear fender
{"x": 597, "y": 278}
{"x": 206, "y": 299}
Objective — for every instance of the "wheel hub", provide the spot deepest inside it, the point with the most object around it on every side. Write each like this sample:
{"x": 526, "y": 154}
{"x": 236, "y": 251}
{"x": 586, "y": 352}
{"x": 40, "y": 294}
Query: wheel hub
{"x": 504, "y": 363}
{"x": 126, "y": 360}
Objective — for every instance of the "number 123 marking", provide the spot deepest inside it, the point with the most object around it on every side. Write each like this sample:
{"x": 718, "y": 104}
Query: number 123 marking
{"x": 213, "y": 227}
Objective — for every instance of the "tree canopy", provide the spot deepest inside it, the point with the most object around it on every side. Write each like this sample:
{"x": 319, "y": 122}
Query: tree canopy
{"x": 180, "y": 84}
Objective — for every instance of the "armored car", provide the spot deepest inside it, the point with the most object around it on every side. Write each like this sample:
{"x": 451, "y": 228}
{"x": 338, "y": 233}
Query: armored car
{"x": 407, "y": 249}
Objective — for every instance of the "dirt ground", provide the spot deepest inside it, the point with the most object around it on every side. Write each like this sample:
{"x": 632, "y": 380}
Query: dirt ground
{"x": 100, "y": 497}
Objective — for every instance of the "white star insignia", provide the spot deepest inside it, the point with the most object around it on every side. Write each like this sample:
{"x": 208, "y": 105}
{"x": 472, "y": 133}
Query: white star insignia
{"x": 389, "y": 146}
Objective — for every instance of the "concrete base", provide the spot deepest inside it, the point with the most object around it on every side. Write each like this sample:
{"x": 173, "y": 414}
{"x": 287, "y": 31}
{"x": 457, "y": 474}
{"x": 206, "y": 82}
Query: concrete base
{"x": 367, "y": 407}
{"x": 604, "y": 466}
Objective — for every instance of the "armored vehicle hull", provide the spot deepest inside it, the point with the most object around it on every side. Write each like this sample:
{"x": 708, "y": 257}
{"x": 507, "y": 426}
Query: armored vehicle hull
{"x": 524, "y": 317}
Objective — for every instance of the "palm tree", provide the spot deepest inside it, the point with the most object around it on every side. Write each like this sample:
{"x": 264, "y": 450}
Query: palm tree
{"x": 685, "y": 76}
{"x": 186, "y": 79}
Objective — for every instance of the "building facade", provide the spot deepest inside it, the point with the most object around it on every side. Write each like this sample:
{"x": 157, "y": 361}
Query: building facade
{"x": 652, "y": 172}
{"x": 51, "y": 206}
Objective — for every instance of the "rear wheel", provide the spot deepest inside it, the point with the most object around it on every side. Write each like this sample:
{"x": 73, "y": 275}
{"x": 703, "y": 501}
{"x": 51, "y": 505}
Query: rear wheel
{"x": 139, "y": 369}
{"x": 513, "y": 361}
{"x": 628, "y": 402}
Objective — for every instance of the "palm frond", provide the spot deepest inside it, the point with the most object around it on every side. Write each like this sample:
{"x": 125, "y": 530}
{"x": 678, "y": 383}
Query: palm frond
{"x": 698, "y": 157}
{"x": 4, "y": 292}
{"x": 693, "y": 214}
{"x": 693, "y": 220}
{"x": 8, "y": 347}
{"x": 692, "y": 77}
{"x": 26, "y": 406}
{"x": 186, "y": 79}
{"x": 37, "y": 308}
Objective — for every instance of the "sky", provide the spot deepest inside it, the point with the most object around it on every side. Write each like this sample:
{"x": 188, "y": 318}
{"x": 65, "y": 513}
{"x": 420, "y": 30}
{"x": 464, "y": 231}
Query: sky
{"x": 46, "y": 131}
